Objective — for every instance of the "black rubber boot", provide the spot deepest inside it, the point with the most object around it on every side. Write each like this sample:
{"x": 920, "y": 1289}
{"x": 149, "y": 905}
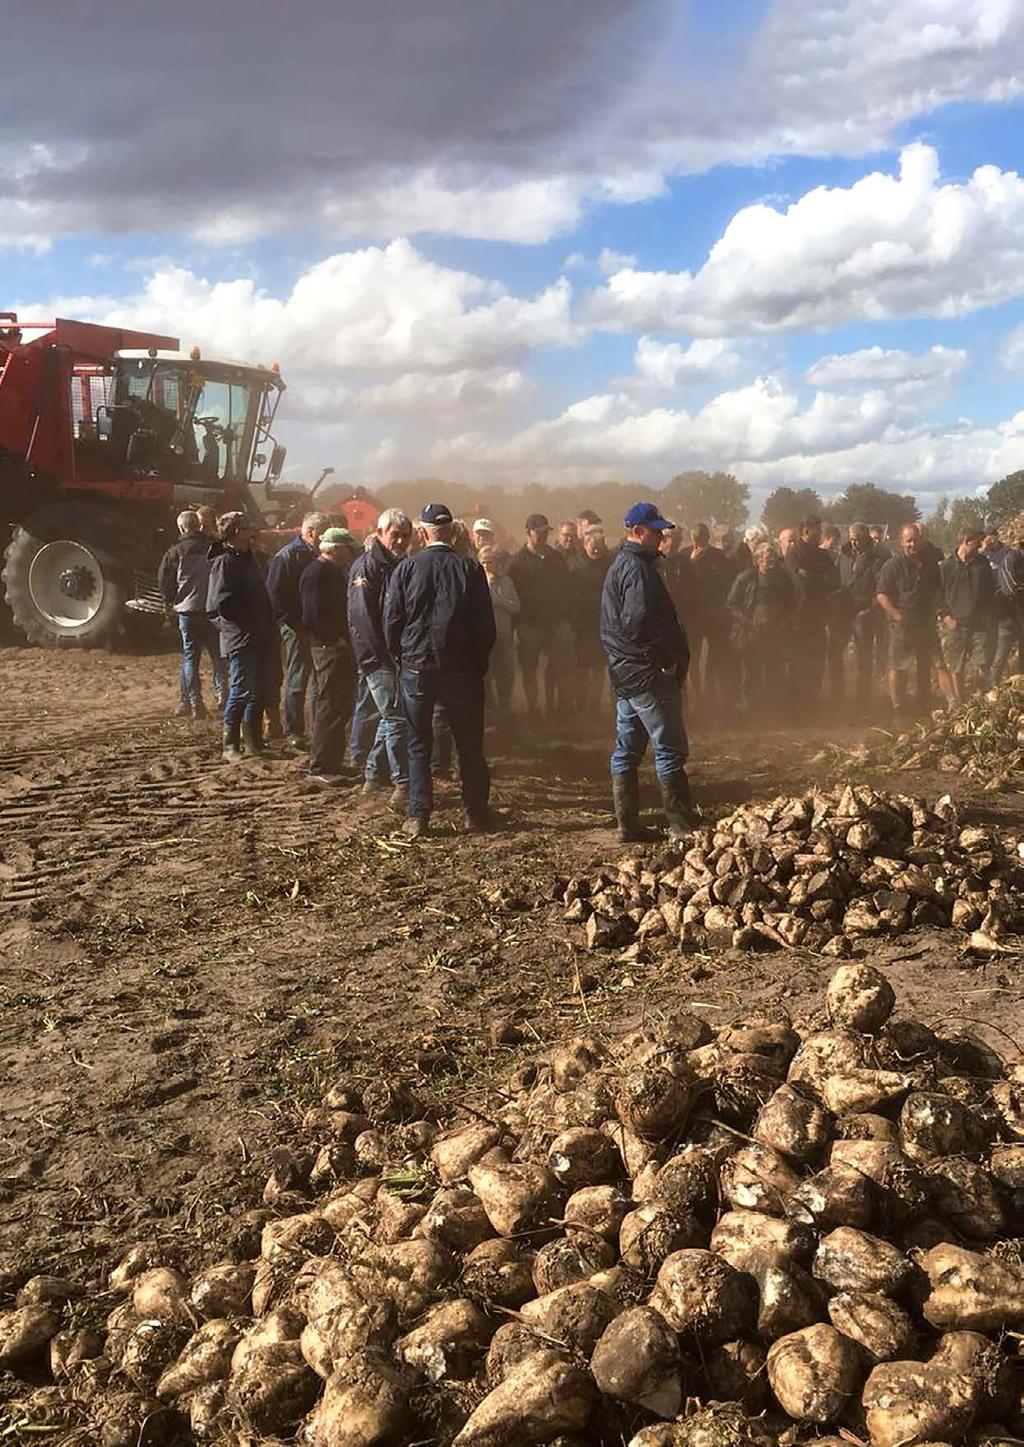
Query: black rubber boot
{"x": 626, "y": 800}
{"x": 252, "y": 736}
{"x": 680, "y": 811}
{"x": 232, "y": 745}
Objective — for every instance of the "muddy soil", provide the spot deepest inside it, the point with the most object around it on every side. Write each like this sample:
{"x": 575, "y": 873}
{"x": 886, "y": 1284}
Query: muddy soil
{"x": 189, "y": 951}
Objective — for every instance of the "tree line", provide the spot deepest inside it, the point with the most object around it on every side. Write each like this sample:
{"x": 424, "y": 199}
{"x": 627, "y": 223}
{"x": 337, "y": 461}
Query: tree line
{"x": 711, "y": 497}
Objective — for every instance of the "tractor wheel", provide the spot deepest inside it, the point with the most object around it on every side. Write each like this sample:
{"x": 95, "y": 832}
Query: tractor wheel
{"x": 60, "y": 586}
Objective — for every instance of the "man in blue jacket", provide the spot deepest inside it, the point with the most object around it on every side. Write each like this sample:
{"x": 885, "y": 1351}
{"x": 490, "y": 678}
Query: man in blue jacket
{"x": 367, "y": 584}
{"x": 239, "y": 604}
{"x": 648, "y": 658}
{"x": 283, "y": 577}
{"x": 439, "y": 629}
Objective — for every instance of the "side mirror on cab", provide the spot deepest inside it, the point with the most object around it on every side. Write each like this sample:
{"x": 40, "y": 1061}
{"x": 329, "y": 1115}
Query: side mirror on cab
{"x": 277, "y": 458}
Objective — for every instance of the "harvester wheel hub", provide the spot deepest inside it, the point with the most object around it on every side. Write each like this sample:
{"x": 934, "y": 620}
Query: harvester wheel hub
{"x": 66, "y": 583}
{"x": 77, "y": 583}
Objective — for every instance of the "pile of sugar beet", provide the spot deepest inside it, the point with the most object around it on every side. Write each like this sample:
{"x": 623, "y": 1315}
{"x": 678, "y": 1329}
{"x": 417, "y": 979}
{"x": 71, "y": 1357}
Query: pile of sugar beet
{"x": 817, "y": 870}
{"x": 981, "y": 738}
{"x": 701, "y": 1238}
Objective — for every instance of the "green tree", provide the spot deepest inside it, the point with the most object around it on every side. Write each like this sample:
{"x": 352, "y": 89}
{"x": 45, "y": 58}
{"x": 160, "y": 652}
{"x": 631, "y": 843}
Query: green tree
{"x": 1006, "y": 497}
{"x": 786, "y": 506}
{"x": 950, "y": 519}
{"x": 718, "y": 497}
{"x": 863, "y": 502}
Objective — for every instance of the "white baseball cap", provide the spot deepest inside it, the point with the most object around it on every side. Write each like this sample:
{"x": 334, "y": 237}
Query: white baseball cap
{"x": 484, "y": 525}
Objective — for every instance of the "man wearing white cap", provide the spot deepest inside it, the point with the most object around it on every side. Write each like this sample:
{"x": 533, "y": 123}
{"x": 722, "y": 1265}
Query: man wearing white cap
{"x": 484, "y": 534}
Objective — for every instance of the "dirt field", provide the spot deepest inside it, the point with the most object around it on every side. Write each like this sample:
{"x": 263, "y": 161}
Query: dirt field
{"x": 188, "y": 950}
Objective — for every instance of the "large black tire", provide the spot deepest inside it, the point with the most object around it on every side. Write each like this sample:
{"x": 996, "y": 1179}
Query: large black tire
{"x": 61, "y": 584}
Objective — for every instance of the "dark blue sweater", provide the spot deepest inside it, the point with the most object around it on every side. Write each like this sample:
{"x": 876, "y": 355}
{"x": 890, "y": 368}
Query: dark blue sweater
{"x": 283, "y": 575}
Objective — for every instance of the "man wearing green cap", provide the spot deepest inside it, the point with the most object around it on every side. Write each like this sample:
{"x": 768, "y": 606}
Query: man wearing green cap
{"x": 323, "y": 591}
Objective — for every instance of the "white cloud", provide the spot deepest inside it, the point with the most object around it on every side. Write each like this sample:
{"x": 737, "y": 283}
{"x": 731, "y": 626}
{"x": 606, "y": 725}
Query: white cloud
{"x": 887, "y": 246}
{"x": 762, "y": 432}
{"x": 551, "y": 110}
{"x": 611, "y": 261}
{"x": 443, "y": 394}
{"x": 379, "y": 309}
{"x": 908, "y": 372}
{"x": 669, "y": 365}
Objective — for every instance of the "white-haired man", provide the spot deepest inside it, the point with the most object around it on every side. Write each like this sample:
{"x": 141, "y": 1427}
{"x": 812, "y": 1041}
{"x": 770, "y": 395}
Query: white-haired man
{"x": 283, "y": 578}
{"x": 183, "y": 578}
{"x": 387, "y": 761}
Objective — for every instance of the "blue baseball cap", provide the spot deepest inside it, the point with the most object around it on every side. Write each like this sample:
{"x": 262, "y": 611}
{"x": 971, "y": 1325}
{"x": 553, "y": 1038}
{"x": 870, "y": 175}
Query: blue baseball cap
{"x": 646, "y": 515}
{"x": 436, "y": 514}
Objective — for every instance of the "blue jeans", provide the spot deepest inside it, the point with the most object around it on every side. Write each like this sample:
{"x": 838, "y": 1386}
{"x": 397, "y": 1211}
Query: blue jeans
{"x": 298, "y": 677}
{"x": 389, "y": 753}
{"x": 197, "y": 634}
{"x": 656, "y": 715}
{"x": 463, "y": 696}
{"x": 362, "y": 732}
{"x": 245, "y": 685}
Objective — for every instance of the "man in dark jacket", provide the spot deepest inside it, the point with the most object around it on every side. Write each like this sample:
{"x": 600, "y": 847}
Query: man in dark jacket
{"x": 967, "y": 617}
{"x": 859, "y": 563}
{"x": 388, "y": 757}
{"x": 1005, "y": 557}
{"x": 648, "y": 657}
{"x": 439, "y": 628}
{"x": 709, "y": 576}
{"x": 283, "y": 576}
{"x": 323, "y": 603}
{"x": 816, "y": 579}
{"x": 239, "y": 604}
{"x": 908, "y": 594}
{"x": 587, "y": 573}
{"x": 544, "y": 627}
{"x": 183, "y": 578}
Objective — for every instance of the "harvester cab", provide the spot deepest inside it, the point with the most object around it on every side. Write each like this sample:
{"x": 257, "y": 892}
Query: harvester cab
{"x": 105, "y": 434}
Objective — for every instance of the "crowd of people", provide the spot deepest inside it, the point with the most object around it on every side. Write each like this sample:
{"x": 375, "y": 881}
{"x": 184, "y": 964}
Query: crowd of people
{"x": 397, "y": 647}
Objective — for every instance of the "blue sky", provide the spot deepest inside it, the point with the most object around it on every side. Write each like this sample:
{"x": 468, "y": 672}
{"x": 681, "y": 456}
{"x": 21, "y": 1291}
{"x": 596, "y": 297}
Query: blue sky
{"x": 586, "y": 240}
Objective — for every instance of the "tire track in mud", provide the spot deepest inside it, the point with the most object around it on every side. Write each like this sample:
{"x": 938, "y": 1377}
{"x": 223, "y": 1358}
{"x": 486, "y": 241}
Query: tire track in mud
{"x": 66, "y": 835}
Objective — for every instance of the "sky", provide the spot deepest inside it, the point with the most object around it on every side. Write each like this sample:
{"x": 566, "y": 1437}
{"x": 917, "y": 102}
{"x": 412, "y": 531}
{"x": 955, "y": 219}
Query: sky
{"x": 558, "y": 242}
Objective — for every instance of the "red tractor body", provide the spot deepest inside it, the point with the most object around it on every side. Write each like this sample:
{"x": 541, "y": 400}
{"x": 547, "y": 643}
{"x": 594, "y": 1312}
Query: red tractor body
{"x": 105, "y": 435}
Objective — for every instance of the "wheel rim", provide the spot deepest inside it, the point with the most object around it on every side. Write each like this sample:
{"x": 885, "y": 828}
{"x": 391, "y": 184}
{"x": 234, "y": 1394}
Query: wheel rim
{"x": 66, "y": 584}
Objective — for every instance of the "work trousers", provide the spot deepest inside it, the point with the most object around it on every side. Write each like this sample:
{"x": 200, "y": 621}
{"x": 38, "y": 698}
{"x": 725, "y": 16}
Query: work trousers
{"x": 501, "y": 676}
{"x": 462, "y": 695}
{"x": 554, "y": 642}
{"x": 838, "y": 636}
{"x": 866, "y": 631}
{"x": 299, "y": 677}
{"x": 246, "y": 674}
{"x": 199, "y": 636}
{"x": 335, "y": 693}
{"x": 656, "y": 717}
{"x": 1009, "y": 651}
{"x": 388, "y": 757}
{"x": 363, "y": 732}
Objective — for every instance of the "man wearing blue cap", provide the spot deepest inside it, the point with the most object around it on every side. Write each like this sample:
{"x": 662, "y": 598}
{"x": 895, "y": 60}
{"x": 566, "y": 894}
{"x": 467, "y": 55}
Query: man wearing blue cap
{"x": 648, "y": 657}
{"x": 439, "y": 629}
